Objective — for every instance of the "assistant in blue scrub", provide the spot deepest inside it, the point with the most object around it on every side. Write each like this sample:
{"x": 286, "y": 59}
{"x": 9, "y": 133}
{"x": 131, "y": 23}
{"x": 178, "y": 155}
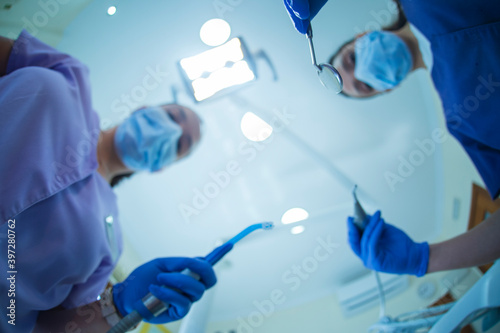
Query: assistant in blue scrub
{"x": 56, "y": 198}
{"x": 458, "y": 41}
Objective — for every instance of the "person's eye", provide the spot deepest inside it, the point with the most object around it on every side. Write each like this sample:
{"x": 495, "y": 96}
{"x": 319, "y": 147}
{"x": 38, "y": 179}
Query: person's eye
{"x": 174, "y": 116}
{"x": 352, "y": 58}
{"x": 367, "y": 87}
{"x": 179, "y": 146}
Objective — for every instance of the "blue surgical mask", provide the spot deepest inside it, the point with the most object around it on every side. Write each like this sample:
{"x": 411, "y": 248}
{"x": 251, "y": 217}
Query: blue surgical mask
{"x": 382, "y": 60}
{"x": 147, "y": 140}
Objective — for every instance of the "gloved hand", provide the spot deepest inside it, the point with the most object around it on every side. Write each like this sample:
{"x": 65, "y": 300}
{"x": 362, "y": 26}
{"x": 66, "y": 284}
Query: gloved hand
{"x": 385, "y": 248}
{"x": 164, "y": 271}
{"x": 302, "y": 12}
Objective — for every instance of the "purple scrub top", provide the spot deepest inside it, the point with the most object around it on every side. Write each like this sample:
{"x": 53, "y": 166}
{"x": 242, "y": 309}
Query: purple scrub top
{"x": 58, "y": 209}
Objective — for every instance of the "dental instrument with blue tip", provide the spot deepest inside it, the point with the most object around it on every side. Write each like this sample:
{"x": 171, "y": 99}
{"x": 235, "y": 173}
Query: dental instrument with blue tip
{"x": 156, "y": 307}
{"x": 222, "y": 250}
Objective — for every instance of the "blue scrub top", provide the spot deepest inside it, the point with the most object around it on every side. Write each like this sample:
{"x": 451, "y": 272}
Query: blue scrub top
{"x": 51, "y": 192}
{"x": 465, "y": 43}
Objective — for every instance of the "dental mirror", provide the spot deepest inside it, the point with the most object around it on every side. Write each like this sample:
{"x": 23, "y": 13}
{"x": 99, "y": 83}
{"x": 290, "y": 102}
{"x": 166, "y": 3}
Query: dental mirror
{"x": 330, "y": 78}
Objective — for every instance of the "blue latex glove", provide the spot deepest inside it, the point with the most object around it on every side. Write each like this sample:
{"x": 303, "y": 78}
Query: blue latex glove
{"x": 385, "y": 248}
{"x": 165, "y": 271}
{"x": 302, "y": 12}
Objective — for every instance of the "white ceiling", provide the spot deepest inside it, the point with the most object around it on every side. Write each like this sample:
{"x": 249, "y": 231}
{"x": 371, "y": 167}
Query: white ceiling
{"x": 300, "y": 167}
{"x": 44, "y": 19}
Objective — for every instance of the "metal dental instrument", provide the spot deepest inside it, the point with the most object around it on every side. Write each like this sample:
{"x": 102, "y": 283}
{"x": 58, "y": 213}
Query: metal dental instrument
{"x": 360, "y": 220}
{"x": 156, "y": 307}
{"x": 328, "y": 75}
{"x": 360, "y": 216}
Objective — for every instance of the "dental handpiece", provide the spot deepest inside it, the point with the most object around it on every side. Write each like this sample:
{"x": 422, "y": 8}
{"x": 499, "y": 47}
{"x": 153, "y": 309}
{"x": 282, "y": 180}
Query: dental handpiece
{"x": 156, "y": 306}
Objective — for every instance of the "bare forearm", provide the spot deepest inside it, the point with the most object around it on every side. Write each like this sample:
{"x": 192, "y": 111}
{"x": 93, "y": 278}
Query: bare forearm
{"x": 478, "y": 246}
{"x": 5, "y": 49}
{"x": 85, "y": 319}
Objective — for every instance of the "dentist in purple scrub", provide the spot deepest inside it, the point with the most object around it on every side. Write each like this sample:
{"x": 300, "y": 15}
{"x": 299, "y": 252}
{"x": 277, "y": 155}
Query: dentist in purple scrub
{"x": 58, "y": 211}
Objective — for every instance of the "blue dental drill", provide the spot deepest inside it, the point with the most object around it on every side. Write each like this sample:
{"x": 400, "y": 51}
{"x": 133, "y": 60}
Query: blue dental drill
{"x": 156, "y": 307}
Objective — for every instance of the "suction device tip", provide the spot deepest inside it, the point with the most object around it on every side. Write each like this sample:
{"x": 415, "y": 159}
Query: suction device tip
{"x": 267, "y": 225}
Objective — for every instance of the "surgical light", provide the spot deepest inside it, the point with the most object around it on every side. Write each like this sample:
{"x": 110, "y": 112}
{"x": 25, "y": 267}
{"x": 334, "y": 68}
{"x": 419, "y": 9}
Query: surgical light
{"x": 218, "y": 69}
{"x": 294, "y": 215}
{"x": 254, "y": 128}
{"x": 215, "y": 32}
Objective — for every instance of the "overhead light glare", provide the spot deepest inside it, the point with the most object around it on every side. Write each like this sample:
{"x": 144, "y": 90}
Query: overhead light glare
{"x": 111, "y": 10}
{"x": 215, "y": 32}
{"x": 254, "y": 128}
{"x": 294, "y": 215}
{"x": 297, "y": 229}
